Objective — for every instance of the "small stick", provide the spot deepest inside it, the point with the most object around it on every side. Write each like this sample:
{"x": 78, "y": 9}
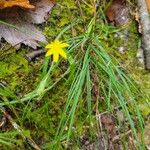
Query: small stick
{"x": 145, "y": 23}
{"x": 3, "y": 121}
{"x": 32, "y": 55}
{"x": 19, "y": 129}
{"x": 118, "y": 137}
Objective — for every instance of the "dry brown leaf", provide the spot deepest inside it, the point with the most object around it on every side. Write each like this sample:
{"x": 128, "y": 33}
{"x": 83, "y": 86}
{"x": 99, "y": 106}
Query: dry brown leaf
{"x": 118, "y": 12}
{"x": 148, "y": 4}
{"x": 24, "y": 30}
{"x": 40, "y": 13}
{"x": 20, "y": 3}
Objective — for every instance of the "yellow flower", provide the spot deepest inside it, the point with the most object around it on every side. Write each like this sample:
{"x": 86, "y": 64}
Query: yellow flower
{"x": 56, "y": 48}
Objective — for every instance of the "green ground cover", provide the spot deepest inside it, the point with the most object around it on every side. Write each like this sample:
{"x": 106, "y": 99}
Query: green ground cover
{"x": 56, "y": 104}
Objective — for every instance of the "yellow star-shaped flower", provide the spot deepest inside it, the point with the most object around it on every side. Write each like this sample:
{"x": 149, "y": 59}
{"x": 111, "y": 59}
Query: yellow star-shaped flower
{"x": 56, "y": 48}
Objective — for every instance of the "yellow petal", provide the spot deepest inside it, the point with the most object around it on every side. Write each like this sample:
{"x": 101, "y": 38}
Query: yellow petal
{"x": 56, "y": 49}
{"x": 63, "y": 45}
{"x": 48, "y": 46}
{"x": 57, "y": 41}
{"x": 55, "y": 57}
{"x": 49, "y": 53}
{"x": 63, "y": 54}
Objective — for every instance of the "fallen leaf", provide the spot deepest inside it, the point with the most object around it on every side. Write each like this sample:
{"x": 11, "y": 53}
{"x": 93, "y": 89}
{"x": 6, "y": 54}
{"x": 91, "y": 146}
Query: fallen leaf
{"x": 148, "y": 4}
{"x": 118, "y": 13}
{"x": 40, "y": 13}
{"x": 107, "y": 119}
{"x": 20, "y": 26}
{"x": 26, "y": 34}
{"x": 20, "y": 3}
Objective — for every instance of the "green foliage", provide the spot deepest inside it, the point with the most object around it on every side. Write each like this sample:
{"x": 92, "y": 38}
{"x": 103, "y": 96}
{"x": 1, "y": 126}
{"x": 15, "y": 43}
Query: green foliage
{"x": 16, "y": 69}
{"x": 55, "y": 102}
{"x": 17, "y": 61}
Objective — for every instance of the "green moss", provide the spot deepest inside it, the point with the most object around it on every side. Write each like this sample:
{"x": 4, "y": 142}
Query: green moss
{"x": 129, "y": 61}
{"x": 66, "y": 13}
{"x": 42, "y": 117}
{"x": 128, "y": 37}
{"x": 11, "y": 64}
{"x": 17, "y": 72}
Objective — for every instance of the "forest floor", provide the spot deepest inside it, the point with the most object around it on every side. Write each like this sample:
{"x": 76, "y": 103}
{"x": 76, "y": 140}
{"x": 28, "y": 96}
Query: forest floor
{"x": 99, "y": 98}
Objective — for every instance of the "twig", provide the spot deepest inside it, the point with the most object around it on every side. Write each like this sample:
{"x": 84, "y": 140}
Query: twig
{"x": 19, "y": 129}
{"x": 145, "y": 23}
{"x": 79, "y": 5}
{"x": 119, "y": 137}
{"x": 2, "y": 122}
{"x": 34, "y": 54}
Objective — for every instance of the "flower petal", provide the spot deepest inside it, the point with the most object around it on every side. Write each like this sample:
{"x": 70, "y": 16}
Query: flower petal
{"x": 55, "y": 48}
{"x": 49, "y": 46}
{"x": 55, "y": 57}
{"x": 49, "y": 53}
{"x": 63, "y": 54}
{"x": 63, "y": 45}
{"x": 57, "y": 42}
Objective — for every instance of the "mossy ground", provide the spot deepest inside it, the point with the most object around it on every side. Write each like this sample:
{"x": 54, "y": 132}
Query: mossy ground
{"x": 21, "y": 76}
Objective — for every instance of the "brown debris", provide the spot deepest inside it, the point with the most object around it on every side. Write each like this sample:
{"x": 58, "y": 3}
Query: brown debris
{"x": 118, "y": 13}
{"x": 11, "y": 3}
{"x": 148, "y": 4}
{"x": 18, "y": 24}
{"x": 29, "y": 140}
